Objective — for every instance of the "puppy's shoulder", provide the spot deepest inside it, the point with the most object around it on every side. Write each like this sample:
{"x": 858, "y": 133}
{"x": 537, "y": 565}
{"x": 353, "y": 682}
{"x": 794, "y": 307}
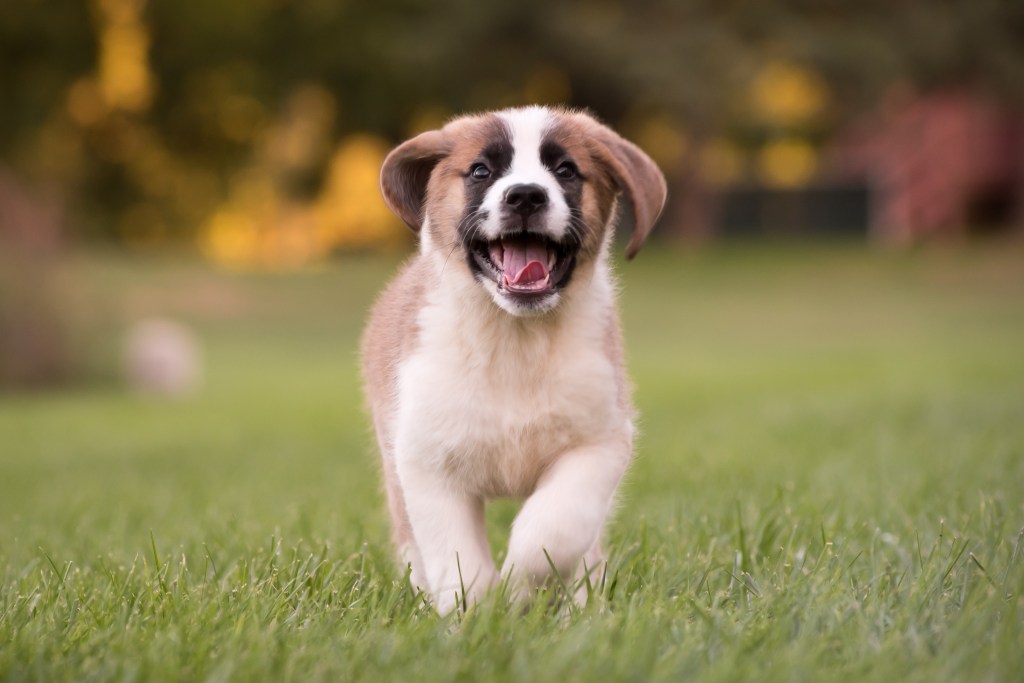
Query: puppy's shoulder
{"x": 392, "y": 331}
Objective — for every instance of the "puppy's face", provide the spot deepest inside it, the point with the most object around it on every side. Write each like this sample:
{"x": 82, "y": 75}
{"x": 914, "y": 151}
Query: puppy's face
{"x": 523, "y": 197}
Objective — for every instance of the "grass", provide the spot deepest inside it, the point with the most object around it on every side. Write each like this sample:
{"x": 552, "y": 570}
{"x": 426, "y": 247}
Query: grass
{"x": 829, "y": 485}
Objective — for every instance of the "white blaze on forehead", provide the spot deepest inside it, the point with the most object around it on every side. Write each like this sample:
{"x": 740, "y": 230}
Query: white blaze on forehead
{"x": 527, "y": 128}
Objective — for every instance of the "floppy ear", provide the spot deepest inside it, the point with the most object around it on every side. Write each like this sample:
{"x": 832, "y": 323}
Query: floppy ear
{"x": 405, "y": 173}
{"x": 639, "y": 178}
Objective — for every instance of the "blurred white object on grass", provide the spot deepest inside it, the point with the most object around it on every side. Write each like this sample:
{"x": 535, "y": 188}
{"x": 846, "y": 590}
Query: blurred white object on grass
{"x": 161, "y": 357}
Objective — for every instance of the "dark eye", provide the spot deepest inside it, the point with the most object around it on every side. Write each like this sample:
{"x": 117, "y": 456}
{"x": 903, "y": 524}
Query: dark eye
{"x": 566, "y": 170}
{"x": 479, "y": 172}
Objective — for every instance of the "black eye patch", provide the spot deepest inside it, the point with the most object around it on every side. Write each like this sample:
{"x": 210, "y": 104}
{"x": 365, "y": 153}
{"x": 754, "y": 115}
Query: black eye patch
{"x": 556, "y": 158}
{"x": 558, "y": 161}
{"x": 496, "y": 158}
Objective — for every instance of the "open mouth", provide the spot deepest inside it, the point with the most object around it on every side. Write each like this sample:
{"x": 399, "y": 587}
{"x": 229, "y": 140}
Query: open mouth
{"x": 524, "y": 265}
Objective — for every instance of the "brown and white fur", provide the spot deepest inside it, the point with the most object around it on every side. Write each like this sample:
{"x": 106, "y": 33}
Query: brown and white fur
{"x": 490, "y": 378}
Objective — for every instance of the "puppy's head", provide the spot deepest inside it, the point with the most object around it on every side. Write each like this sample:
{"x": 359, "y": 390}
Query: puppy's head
{"x": 524, "y": 197}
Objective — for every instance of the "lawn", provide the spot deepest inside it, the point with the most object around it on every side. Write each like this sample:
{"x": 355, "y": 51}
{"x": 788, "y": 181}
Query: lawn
{"x": 829, "y": 485}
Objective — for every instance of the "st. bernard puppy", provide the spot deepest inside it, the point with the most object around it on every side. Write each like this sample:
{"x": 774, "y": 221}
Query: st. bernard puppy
{"x": 493, "y": 362}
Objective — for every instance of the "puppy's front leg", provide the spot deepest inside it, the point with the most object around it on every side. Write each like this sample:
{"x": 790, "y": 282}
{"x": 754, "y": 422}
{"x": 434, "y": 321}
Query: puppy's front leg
{"x": 565, "y": 514}
{"x": 448, "y": 527}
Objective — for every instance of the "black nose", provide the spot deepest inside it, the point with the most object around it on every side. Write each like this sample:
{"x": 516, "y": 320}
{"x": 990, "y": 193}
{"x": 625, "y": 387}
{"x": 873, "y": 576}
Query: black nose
{"x": 526, "y": 198}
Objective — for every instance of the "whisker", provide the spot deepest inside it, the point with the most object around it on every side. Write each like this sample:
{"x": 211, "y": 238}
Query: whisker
{"x": 578, "y": 227}
{"x": 460, "y": 238}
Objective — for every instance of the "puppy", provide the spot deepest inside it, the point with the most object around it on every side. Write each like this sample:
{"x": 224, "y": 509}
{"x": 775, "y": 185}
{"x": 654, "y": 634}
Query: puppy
{"x": 493, "y": 362}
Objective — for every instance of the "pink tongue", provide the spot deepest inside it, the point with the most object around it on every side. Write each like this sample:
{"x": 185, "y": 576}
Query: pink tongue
{"x": 525, "y": 263}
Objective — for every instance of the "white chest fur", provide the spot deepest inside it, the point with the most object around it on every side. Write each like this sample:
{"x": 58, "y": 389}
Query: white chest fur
{"x": 490, "y": 400}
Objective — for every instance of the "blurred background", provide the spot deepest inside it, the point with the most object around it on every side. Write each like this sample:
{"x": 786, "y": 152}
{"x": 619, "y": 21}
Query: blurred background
{"x": 245, "y": 136}
{"x": 825, "y": 331}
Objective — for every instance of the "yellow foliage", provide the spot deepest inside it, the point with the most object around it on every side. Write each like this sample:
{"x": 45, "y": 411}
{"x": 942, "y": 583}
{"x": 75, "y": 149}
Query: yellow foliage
{"x": 721, "y": 162}
{"x": 124, "y": 76}
{"x": 260, "y": 228}
{"x": 85, "y": 102}
{"x": 787, "y": 94}
{"x": 663, "y": 139}
{"x": 787, "y": 162}
{"x": 231, "y": 239}
{"x": 289, "y": 244}
{"x": 306, "y": 128}
{"x": 120, "y": 11}
{"x": 350, "y": 212}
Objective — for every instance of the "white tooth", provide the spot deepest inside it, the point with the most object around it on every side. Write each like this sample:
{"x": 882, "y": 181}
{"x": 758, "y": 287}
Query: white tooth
{"x": 551, "y": 260}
